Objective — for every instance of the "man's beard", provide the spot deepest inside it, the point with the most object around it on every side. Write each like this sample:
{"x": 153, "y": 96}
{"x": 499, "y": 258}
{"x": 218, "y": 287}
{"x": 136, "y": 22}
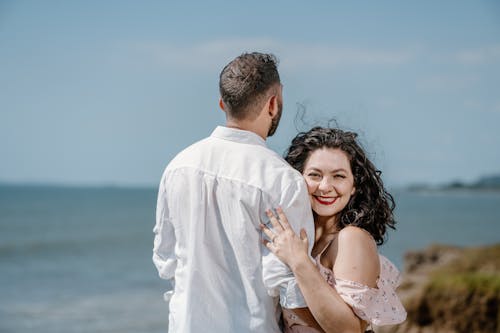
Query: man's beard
{"x": 276, "y": 120}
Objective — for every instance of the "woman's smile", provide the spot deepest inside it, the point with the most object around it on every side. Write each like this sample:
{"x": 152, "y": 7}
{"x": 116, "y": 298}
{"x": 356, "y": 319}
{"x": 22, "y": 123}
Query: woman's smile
{"x": 325, "y": 200}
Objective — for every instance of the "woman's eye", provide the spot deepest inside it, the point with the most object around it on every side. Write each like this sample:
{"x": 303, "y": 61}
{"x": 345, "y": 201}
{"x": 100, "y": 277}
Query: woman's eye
{"x": 314, "y": 175}
{"x": 339, "y": 176}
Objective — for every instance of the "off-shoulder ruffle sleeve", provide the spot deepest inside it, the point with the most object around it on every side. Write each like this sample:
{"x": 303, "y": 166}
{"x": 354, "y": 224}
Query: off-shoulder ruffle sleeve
{"x": 379, "y": 306}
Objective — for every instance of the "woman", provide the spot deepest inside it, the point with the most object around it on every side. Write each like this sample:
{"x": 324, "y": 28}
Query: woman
{"x": 352, "y": 212}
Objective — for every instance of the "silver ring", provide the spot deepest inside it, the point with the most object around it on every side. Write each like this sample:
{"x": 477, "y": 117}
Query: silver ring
{"x": 274, "y": 237}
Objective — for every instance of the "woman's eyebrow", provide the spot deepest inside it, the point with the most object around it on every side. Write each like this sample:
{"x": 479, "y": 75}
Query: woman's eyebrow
{"x": 331, "y": 171}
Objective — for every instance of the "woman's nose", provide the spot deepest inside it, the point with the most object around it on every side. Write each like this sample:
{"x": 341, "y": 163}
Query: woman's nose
{"x": 326, "y": 185}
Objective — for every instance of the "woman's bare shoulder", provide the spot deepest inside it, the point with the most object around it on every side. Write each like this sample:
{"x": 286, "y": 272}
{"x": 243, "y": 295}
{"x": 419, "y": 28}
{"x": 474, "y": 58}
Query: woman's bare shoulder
{"x": 357, "y": 256}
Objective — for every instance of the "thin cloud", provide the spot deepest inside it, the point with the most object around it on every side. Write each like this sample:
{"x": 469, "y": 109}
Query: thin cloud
{"x": 496, "y": 108}
{"x": 212, "y": 55}
{"x": 483, "y": 55}
{"x": 446, "y": 82}
{"x": 294, "y": 56}
{"x": 482, "y": 107}
{"x": 329, "y": 57}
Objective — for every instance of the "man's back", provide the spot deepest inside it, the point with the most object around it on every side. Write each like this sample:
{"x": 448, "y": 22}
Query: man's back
{"x": 212, "y": 197}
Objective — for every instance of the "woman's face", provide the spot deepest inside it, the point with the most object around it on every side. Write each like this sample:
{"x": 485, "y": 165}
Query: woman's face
{"x": 329, "y": 179}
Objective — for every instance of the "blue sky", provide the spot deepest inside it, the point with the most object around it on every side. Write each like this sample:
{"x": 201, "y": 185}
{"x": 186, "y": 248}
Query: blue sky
{"x": 107, "y": 92}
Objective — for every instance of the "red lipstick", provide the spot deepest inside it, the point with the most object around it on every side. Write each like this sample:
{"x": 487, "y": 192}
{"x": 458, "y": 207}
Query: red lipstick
{"x": 325, "y": 202}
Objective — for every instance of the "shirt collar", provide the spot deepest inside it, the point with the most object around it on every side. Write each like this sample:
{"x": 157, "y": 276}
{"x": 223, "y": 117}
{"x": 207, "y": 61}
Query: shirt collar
{"x": 237, "y": 135}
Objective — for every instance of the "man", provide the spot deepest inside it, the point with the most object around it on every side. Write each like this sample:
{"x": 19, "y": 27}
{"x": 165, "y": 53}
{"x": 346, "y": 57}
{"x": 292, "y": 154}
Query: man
{"x": 211, "y": 199}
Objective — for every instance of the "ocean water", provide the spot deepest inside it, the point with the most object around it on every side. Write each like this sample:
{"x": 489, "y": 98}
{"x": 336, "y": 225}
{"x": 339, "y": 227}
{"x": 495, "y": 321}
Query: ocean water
{"x": 79, "y": 259}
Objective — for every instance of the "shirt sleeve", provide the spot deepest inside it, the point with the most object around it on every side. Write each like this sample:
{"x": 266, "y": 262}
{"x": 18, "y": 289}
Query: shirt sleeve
{"x": 278, "y": 278}
{"x": 164, "y": 241}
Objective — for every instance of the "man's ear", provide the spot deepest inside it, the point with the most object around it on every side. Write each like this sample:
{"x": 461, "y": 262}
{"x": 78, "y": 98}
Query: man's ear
{"x": 221, "y": 105}
{"x": 272, "y": 106}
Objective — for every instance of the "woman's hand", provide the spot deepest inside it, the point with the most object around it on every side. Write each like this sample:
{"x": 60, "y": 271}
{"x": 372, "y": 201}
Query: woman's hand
{"x": 285, "y": 243}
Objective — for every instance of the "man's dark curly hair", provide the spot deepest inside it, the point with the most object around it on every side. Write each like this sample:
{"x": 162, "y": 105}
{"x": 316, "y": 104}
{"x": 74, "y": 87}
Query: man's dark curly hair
{"x": 246, "y": 80}
{"x": 371, "y": 206}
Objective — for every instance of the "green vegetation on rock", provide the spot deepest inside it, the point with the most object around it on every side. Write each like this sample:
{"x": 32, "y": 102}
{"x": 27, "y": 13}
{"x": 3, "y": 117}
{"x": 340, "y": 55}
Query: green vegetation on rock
{"x": 462, "y": 295}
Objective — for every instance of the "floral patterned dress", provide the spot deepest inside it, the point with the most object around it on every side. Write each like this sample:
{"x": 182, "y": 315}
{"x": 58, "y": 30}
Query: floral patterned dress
{"x": 378, "y": 306}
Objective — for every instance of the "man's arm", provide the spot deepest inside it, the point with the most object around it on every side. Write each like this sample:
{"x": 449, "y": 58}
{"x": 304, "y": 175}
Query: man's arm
{"x": 278, "y": 278}
{"x": 164, "y": 240}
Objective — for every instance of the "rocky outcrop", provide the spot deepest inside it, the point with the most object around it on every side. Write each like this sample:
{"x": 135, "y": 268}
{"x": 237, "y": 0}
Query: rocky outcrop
{"x": 449, "y": 289}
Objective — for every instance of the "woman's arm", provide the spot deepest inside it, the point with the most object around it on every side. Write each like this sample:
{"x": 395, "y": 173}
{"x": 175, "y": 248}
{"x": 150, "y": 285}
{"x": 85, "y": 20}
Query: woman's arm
{"x": 325, "y": 304}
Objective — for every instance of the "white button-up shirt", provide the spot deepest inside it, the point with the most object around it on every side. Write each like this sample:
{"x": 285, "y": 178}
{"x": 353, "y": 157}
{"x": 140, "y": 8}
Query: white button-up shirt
{"x": 211, "y": 199}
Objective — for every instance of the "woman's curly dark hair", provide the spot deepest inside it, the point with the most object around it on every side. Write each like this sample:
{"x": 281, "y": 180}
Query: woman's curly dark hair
{"x": 371, "y": 206}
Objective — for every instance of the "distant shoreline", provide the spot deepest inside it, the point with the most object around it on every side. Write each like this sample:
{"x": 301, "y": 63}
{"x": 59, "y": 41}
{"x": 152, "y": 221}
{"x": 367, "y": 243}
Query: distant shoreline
{"x": 484, "y": 184}
{"x": 435, "y": 189}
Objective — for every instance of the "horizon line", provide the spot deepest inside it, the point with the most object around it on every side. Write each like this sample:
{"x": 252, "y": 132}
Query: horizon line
{"x": 96, "y": 185}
